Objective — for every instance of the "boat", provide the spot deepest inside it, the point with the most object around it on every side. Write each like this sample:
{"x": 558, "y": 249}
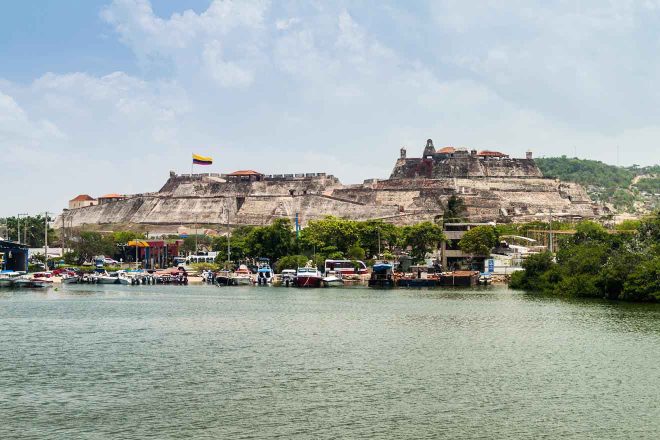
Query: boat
{"x": 463, "y": 278}
{"x": 70, "y": 279}
{"x": 223, "y": 278}
{"x": 333, "y": 281}
{"x": 307, "y": 277}
{"x": 242, "y": 276}
{"x": 31, "y": 282}
{"x": 265, "y": 274}
{"x": 123, "y": 278}
{"x": 107, "y": 279}
{"x": 381, "y": 275}
{"x": 287, "y": 276}
{"x": 7, "y": 278}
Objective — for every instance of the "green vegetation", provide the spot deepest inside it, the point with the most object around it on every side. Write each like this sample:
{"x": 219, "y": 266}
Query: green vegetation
{"x": 594, "y": 263}
{"x": 479, "y": 240}
{"x": 455, "y": 211}
{"x": 649, "y": 184}
{"x": 86, "y": 245}
{"x": 607, "y": 183}
{"x": 330, "y": 237}
{"x": 31, "y": 228}
{"x": 422, "y": 238}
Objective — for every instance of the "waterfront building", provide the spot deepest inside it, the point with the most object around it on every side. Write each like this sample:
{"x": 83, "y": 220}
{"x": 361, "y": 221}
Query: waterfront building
{"x": 13, "y": 256}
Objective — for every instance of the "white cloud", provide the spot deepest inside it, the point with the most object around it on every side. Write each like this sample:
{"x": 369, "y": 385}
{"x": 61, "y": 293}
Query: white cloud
{"x": 330, "y": 88}
{"x": 284, "y": 24}
{"x": 189, "y": 40}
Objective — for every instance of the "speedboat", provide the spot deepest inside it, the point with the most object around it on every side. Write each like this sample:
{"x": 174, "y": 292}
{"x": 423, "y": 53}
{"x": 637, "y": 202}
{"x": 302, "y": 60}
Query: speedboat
{"x": 242, "y": 276}
{"x": 70, "y": 279}
{"x": 333, "y": 281}
{"x": 264, "y": 274}
{"x": 307, "y": 277}
{"x": 7, "y": 278}
{"x": 287, "y": 276}
{"x": 31, "y": 282}
{"x": 223, "y": 278}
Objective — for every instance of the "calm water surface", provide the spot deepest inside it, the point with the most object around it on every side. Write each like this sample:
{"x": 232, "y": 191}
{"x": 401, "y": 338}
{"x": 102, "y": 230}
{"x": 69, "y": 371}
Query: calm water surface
{"x": 95, "y": 362}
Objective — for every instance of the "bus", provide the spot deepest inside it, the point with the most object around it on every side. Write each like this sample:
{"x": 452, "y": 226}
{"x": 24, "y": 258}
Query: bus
{"x": 344, "y": 267}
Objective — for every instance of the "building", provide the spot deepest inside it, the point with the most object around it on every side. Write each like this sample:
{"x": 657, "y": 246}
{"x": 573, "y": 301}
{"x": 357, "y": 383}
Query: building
{"x": 245, "y": 176}
{"x": 451, "y": 254}
{"x": 109, "y": 198}
{"x": 82, "y": 201}
{"x": 13, "y": 256}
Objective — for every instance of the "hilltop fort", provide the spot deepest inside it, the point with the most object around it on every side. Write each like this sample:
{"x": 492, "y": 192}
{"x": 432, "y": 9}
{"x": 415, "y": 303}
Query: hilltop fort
{"x": 493, "y": 186}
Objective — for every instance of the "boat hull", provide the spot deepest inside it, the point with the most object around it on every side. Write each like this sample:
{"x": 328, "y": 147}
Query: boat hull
{"x": 307, "y": 281}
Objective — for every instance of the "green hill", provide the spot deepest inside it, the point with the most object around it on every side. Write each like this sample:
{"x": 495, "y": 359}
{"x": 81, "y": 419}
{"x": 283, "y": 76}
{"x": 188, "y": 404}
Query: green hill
{"x": 631, "y": 188}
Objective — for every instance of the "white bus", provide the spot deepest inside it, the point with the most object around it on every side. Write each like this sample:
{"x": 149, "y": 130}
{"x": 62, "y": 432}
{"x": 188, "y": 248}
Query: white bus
{"x": 344, "y": 267}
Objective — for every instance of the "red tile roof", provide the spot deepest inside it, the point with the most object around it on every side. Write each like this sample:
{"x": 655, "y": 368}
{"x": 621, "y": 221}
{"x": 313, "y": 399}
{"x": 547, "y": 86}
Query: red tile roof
{"x": 112, "y": 196}
{"x": 446, "y": 150}
{"x": 491, "y": 153}
{"x": 82, "y": 198}
{"x": 245, "y": 173}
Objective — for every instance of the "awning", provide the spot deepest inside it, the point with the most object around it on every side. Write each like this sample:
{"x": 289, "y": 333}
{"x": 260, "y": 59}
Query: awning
{"x": 138, "y": 243}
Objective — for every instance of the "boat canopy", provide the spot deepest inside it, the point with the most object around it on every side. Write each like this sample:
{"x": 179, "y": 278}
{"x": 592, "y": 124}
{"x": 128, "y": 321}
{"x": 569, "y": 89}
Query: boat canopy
{"x": 382, "y": 267}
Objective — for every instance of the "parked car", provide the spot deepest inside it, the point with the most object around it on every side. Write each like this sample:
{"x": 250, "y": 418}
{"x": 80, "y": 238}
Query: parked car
{"x": 110, "y": 261}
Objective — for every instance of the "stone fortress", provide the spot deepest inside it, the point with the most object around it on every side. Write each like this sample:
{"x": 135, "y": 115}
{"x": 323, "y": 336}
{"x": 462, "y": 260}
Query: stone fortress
{"x": 493, "y": 186}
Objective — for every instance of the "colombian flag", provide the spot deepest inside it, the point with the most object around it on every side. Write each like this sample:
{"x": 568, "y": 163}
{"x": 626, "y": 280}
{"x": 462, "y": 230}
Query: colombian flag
{"x": 202, "y": 160}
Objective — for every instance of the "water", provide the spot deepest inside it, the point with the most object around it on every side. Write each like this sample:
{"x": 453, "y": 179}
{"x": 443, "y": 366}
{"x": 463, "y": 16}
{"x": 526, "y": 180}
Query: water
{"x": 166, "y": 362}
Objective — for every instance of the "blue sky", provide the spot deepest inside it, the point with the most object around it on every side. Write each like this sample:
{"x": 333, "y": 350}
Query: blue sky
{"x": 103, "y": 96}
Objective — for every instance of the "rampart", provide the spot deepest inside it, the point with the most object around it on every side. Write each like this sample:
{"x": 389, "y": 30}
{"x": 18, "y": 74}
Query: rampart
{"x": 493, "y": 187}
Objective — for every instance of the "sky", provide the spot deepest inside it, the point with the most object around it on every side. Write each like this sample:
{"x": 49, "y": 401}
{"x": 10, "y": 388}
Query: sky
{"x": 107, "y": 96}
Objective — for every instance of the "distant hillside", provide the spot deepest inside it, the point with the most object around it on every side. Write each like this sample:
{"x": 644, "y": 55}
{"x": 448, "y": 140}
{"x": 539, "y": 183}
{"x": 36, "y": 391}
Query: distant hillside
{"x": 633, "y": 189}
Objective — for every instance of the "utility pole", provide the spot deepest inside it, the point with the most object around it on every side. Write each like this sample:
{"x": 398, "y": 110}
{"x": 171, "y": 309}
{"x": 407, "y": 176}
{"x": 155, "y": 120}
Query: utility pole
{"x": 18, "y": 226}
{"x": 46, "y": 238}
{"x": 63, "y": 236}
{"x": 550, "y": 228}
{"x": 228, "y": 247}
{"x": 195, "y": 238}
{"x": 378, "y": 241}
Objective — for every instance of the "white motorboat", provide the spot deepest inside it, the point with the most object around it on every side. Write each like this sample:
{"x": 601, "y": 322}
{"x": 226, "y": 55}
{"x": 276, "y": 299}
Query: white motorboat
{"x": 287, "y": 277}
{"x": 332, "y": 281}
{"x": 308, "y": 277}
{"x": 265, "y": 274}
{"x": 7, "y": 278}
{"x": 70, "y": 279}
{"x": 242, "y": 276}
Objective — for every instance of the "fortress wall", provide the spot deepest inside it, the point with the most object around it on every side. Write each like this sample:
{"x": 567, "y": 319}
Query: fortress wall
{"x": 492, "y": 189}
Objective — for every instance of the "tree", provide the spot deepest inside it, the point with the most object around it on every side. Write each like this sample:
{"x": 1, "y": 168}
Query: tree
{"x": 238, "y": 244}
{"x": 643, "y": 284}
{"x": 422, "y": 238}
{"x": 371, "y": 231}
{"x": 272, "y": 241}
{"x": 91, "y": 244}
{"x": 331, "y": 234}
{"x": 455, "y": 211}
{"x": 31, "y": 228}
{"x": 479, "y": 240}
{"x": 356, "y": 253}
{"x": 290, "y": 262}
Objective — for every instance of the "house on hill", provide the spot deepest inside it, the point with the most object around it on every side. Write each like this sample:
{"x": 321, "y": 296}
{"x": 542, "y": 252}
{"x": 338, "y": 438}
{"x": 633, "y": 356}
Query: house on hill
{"x": 81, "y": 201}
